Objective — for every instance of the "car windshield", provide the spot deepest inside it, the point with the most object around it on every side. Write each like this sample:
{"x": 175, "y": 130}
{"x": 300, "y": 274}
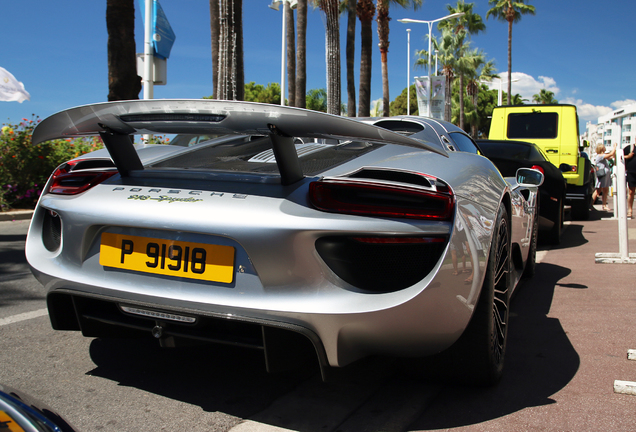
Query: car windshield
{"x": 254, "y": 154}
{"x": 534, "y": 125}
{"x": 511, "y": 150}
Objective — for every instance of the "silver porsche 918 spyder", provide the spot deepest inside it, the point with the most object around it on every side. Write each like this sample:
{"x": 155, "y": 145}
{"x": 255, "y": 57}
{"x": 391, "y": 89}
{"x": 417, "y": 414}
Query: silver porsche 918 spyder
{"x": 287, "y": 228}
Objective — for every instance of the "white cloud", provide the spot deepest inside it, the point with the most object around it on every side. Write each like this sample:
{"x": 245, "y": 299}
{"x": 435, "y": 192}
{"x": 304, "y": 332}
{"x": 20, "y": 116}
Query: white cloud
{"x": 619, "y": 104}
{"x": 587, "y": 111}
{"x": 526, "y": 85}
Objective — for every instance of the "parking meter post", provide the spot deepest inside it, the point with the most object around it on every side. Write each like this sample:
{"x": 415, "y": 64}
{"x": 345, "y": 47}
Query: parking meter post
{"x": 623, "y": 256}
{"x": 621, "y": 189}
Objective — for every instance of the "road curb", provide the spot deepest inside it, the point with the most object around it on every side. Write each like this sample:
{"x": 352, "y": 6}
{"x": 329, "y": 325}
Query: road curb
{"x": 16, "y": 215}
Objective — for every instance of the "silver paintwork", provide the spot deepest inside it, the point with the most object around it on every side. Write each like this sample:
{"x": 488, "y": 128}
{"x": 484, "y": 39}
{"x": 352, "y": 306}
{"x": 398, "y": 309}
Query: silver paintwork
{"x": 279, "y": 277}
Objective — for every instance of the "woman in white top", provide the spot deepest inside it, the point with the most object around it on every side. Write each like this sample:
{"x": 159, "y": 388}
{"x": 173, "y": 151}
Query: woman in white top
{"x": 603, "y": 174}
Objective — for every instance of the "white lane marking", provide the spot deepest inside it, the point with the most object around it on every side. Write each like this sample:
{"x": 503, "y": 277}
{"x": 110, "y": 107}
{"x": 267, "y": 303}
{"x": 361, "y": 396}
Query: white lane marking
{"x": 625, "y": 387}
{"x": 23, "y": 317}
{"x": 252, "y": 426}
{"x": 541, "y": 255}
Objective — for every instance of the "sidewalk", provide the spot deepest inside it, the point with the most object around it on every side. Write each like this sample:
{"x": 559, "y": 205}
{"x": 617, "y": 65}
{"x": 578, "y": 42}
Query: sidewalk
{"x": 15, "y": 215}
{"x": 571, "y": 327}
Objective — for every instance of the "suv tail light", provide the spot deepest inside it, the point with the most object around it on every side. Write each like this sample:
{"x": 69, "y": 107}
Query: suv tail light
{"x": 370, "y": 198}
{"x": 65, "y": 181}
{"x": 538, "y": 168}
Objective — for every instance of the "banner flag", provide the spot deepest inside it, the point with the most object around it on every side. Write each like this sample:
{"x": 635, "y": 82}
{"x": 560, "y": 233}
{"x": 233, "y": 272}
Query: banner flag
{"x": 163, "y": 36}
{"x": 438, "y": 95}
{"x": 12, "y": 90}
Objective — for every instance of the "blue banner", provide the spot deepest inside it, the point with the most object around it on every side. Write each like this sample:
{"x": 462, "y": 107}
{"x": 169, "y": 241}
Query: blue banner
{"x": 162, "y": 35}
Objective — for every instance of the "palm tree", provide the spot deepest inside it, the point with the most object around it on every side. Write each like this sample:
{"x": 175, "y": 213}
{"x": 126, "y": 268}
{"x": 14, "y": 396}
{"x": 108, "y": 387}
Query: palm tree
{"x": 215, "y": 23}
{"x": 383, "y": 35}
{"x": 317, "y": 100}
{"x": 301, "y": 50}
{"x": 231, "y": 71}
{"x": 468, "y": 24}
{"x": 517, "y": 99}
{"x": 291, "y": 53}
{"x": 365, "y": 10}
{"x": 481, "y": 70}
{"x": 350, "y": 57}
{"x": 331, "y": 10}
{"x": 123, "y": 81}
{"x": 510, "y": 11}
{"x": 545, "y": 97}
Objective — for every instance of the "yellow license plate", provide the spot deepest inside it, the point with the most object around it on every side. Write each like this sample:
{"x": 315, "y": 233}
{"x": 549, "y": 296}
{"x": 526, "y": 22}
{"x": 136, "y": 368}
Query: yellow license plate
{"x": 168, "y": 257}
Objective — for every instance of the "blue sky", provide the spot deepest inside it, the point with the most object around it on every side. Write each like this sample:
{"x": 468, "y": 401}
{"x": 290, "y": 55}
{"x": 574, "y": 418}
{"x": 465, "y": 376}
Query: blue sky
{"x": 580, "y": 50}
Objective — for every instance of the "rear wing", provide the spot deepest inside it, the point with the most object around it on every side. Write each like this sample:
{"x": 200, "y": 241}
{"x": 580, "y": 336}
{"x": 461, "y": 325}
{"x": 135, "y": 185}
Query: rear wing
{"x": 116, "y": 121}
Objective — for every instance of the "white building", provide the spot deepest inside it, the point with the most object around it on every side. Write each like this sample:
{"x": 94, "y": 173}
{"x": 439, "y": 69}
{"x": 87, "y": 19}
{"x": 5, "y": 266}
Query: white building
{"x": 618, "y": 126}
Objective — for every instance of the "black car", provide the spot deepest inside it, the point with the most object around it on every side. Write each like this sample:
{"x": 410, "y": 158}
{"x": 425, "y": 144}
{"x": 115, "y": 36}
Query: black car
{"x": 509, "y": 156}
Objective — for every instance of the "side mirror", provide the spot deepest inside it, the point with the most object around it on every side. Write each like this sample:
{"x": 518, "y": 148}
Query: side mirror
{"x": 529, "y": 177}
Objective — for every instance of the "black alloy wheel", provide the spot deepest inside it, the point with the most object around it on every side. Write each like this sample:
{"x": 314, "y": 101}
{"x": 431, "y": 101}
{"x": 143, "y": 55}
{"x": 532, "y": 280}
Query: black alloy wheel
{"x": 501, "y": 295}
{"x": 477, "y": 357}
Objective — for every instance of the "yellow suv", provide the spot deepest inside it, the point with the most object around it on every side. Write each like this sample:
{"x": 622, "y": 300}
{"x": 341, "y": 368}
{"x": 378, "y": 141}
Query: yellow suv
{"x": 554, "y": 128}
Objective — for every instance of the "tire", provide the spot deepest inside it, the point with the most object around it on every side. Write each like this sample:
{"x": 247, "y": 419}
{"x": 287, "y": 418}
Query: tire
{"x": 477, "y": 357}
{"x": 581, "y": 208}
{"x": 554, "y": 235}
{"x": 531, "y": 262}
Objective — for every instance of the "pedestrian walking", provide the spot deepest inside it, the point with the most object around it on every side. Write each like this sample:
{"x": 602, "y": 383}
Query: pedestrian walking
{"x": 630, "y": 170}
{"x": 603, "y": 177}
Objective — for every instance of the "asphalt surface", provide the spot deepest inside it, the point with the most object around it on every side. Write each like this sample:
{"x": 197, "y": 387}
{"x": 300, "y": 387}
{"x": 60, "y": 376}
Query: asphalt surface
{"x": 570, "y": 329}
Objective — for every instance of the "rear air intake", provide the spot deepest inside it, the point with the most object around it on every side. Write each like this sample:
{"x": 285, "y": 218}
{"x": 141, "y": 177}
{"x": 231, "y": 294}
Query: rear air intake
{"x": 381, "y": 264}
{"x": 51, "y": 230}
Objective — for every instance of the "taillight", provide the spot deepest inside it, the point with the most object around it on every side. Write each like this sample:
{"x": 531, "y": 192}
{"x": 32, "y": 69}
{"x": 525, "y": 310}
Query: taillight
{"x": 64, "y": 181}
{"x": 538, "y": 168}
{"x": 382, "y": 200}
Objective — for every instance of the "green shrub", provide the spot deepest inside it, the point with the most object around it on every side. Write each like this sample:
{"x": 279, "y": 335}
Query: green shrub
{"x": 25, "y": 168}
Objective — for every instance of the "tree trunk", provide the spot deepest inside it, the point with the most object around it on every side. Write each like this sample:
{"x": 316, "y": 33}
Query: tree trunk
{"x": 240, "y": 64}
{"x": 475, "y": 125}
{"x": 383, "y": 36}
{"x": 290, "y": 37}
{"x": 330, "y": 7}
{"x": 351, "y": 53}
{"x": 123, "y": 81}
{"x": 301, "y": 48}
{"x": 461, "y": 101}
{"x": 365, "y": 10}
{"x": 448, "y": 97}
{"x": 231, "y": 71}
{"x": 509, "y": 61}
{"x": 214, "y": 36}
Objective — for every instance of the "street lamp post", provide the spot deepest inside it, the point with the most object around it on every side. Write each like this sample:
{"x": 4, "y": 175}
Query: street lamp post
{"x": 408, "y": 71}
{"x": 430, "y": 31}
{"x": 436, "y": 51}
{"x": 499, "y": 93}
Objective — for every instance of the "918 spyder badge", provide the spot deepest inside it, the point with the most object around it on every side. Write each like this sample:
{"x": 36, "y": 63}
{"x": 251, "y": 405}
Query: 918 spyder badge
{"x": 163, "y": 198}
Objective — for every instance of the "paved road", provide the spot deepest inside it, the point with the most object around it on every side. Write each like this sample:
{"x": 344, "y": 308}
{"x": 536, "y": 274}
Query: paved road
{"x": 570, "y": 329}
